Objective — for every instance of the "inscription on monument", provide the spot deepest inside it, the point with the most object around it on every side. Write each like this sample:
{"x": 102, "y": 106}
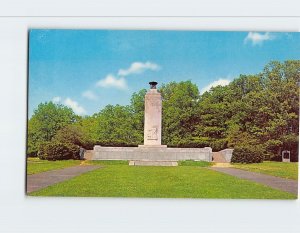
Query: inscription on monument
{"x": 152, "y": 134}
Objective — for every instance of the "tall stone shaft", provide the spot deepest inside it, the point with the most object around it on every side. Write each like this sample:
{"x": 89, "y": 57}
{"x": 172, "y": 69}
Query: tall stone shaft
{"x": 153, "y": 116}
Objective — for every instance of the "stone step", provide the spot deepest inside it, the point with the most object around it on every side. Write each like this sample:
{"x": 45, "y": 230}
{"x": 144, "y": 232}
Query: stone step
{"x": 153, "y": 163}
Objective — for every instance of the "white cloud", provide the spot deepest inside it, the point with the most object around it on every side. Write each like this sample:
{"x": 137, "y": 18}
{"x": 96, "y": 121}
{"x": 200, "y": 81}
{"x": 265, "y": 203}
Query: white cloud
{"x": 258, "y": 38}
{"x": 112, "y": 81}
{"x": 138, "y": 67}
{"x": 220, "y": 82}
{"x": 75, "y": 106}
{"x": 119, "y": 80}
{"x": 56, "y": 99}
{"x": 89, "y": 95}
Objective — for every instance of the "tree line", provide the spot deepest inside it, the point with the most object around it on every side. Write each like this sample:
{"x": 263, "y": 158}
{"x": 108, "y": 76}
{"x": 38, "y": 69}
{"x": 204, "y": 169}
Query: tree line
{"x": 259, "y": 110}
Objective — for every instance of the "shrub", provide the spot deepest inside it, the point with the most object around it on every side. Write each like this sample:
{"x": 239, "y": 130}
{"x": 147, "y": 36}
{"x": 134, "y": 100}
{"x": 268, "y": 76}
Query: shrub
{"x": 247, "y": 154}
{"x": 58, "y": 151}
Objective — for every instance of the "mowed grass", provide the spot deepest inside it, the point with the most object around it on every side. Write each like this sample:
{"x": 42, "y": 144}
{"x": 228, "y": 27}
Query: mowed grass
{"x": 121, "y": 180}
{"x": 280, "y": 169}
{"x": 35, "y": 165}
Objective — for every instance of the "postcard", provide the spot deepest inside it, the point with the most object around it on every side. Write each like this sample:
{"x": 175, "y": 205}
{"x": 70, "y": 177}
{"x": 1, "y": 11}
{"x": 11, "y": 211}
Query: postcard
{"x": 163, "y": 114}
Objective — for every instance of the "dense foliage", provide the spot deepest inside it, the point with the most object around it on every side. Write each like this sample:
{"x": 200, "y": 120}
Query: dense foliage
{"x": 46, "y": 121}
{"x": 253, "y": 111}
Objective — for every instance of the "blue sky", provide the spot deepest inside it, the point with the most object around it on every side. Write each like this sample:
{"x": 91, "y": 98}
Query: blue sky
{"x": 88, "y": 69}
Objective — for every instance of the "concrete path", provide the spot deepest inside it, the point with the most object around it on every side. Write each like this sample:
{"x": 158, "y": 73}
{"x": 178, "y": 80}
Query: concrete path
{"x": 45, "y": 179}
{"x": 286, "y": 185}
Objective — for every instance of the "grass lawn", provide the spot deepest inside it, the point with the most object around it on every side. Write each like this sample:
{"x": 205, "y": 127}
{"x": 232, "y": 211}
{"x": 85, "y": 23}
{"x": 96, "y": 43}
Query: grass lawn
{"x": 117, "y": 179}
{"x": 280, "y": 169}
{"x": 35, "y": 165}
{"x": 195, "y": 163}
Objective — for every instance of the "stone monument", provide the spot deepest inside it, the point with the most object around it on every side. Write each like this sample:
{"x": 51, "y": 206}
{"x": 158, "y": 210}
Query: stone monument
{"x": 152, "y": 150}
{"x": 153, "y": 118}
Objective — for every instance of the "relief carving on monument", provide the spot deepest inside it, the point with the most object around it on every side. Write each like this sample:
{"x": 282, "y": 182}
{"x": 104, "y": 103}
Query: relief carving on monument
{"x": 152, "y": 134}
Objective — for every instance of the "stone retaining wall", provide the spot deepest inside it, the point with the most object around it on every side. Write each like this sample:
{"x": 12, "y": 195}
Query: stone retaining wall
{"x": 227, "y": 154}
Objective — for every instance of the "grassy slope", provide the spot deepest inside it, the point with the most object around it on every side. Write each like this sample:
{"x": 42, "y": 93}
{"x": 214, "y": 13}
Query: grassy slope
{"x": 117, "y": 180}
{"x": 35, "y": 165}
{"x": 285, "y": 170}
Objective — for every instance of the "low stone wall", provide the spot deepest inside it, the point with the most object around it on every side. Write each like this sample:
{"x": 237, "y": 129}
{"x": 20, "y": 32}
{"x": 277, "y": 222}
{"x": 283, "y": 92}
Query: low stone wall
{"x": 227, "y": 154}
{"x": 150, "y": 153}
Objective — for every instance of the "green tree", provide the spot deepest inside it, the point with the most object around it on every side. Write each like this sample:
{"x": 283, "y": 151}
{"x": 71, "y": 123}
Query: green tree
{"x": 138, "y": 108}
{"x": 268, "y": 109}
{"x": 213, "y": 111}
{"x": 46, "y": 120}
{"x": 179, "y": 101}
{"x": 115, "y": 126}
{"x": 88, "y": 125}
{"x": 73, "y": 134}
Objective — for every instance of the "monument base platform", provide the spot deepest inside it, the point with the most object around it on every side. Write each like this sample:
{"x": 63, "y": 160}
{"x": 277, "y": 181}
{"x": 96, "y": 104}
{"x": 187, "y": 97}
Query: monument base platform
{"x": 149, "y": 153}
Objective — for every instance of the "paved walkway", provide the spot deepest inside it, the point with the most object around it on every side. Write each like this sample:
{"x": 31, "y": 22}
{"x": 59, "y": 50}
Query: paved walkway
{"x": 286, "y": 185}
{"x": 45, "y": 179}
